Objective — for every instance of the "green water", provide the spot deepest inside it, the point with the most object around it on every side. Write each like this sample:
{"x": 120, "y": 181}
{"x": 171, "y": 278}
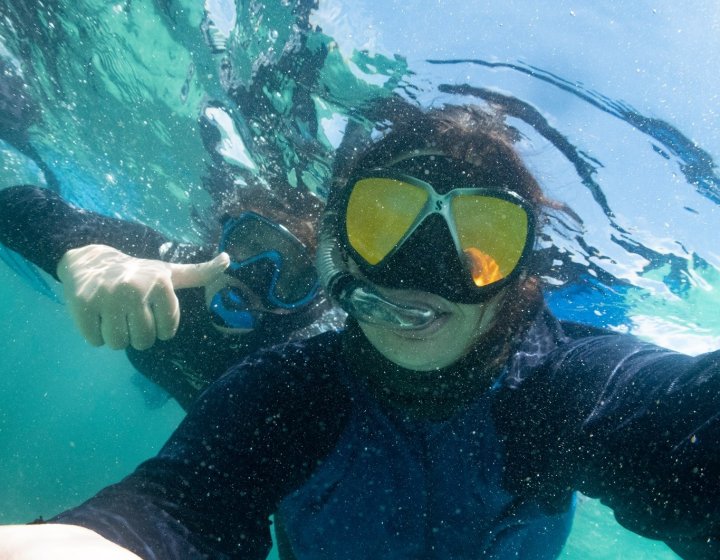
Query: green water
{"x": 71, "y": 420}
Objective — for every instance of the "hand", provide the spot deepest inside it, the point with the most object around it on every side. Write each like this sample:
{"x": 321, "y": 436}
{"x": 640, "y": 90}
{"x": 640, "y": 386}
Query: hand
{"x": 122, "y": 301}
{"x": 53, "y": 541}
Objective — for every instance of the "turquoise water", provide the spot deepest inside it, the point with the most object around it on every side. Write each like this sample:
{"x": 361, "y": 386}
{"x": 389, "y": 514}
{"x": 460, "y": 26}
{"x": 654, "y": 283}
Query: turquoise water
{"x": 101, "y": 101}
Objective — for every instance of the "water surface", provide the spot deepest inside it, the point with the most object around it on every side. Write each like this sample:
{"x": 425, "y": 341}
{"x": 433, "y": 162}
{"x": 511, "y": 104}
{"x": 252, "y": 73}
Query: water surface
{"x": 155, "y": 110}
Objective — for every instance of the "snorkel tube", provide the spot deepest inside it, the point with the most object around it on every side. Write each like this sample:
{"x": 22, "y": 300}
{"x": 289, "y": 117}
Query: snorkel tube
{"x": 356, "y": 296}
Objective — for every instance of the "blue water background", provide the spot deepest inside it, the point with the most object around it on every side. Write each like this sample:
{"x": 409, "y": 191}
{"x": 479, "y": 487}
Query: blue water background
{"x": 619, "y": 121}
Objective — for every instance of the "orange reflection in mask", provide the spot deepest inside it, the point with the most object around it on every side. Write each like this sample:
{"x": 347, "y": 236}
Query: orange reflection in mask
{"x": 483, "y": 267}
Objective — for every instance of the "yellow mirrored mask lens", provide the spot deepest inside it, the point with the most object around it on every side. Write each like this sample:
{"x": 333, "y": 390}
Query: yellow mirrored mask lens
{"x": 380, "y": 212}
{"x": 492, "y": 233}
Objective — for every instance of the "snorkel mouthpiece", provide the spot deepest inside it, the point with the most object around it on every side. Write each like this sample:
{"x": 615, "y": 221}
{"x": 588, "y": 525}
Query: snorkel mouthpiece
{"x": 365, "y": 304}
{"x": 358, "y": 297}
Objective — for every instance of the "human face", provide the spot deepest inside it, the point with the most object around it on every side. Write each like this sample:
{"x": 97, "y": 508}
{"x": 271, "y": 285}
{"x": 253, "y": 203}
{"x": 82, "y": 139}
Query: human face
{"x": 470, "y": 239}
{"x": 267, "y": 257}
{"x": 270, "y": 272}
{"x": 451, "y": 336}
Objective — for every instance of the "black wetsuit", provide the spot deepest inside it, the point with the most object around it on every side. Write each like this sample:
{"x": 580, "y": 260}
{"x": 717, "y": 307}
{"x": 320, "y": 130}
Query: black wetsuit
{"x": 41, "y": 226}
{"x": 295, "y": 430}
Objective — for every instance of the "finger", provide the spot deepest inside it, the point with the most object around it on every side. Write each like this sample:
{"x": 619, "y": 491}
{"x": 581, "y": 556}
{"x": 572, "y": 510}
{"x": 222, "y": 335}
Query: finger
{"x": 114, "y": 330}
{"x": 166, "y": 311}
{"x": 198, "y": 275}
{"x": 87, "y": 321}
{"x": 141, "y": 328}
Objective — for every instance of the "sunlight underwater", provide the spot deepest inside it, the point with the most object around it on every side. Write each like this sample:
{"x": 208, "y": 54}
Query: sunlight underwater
{"x": 101, "y": 102}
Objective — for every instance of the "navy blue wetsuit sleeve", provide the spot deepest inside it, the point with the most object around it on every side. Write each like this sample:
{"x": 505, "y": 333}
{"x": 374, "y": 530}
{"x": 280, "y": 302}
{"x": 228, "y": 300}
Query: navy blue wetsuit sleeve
{"x": 634, "y": 425}
{"x": 39, "y": 225}
{"x": 253, "y": 437}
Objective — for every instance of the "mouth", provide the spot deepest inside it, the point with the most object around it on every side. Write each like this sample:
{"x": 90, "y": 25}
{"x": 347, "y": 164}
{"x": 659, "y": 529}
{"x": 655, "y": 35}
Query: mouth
{"x": 427, "y": 331}
{"x": 424, "y": 300}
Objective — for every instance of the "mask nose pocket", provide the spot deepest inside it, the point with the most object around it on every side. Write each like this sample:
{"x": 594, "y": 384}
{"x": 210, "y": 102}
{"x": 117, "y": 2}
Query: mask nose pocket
{"x": 230, "y": 310}
{"x": 427, "y": 261}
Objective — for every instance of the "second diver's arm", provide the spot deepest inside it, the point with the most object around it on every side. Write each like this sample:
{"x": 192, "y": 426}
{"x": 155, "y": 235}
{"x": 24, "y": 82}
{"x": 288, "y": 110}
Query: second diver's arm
{"x": 119, "y": 289}
{"x": 39, "y": 225}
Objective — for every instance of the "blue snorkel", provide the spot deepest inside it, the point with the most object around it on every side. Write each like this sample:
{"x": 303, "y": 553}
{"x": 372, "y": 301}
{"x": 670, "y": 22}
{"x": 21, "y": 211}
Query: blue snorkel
{"x": 229, "y": 309}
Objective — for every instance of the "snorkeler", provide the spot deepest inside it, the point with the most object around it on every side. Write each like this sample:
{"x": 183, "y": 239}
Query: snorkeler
{"x": 120, "y": 277}
{"x": 453, "y": 418}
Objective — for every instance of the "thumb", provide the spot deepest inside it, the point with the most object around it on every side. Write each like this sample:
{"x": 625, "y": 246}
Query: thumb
{"x": 198, "y": 275}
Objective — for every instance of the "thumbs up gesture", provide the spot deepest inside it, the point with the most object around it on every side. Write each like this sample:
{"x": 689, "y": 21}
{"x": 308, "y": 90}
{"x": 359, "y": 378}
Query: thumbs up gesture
{"x": 122, "y": 301}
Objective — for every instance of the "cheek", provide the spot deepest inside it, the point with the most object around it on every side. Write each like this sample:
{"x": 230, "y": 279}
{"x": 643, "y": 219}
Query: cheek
{"x": 458, "y": 337}
{"x": 475, "y": 321}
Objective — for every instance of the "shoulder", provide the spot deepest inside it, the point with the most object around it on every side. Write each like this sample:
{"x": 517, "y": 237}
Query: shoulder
{"x": 587, "y": 364}
{"x": 320, "y": 349}
{"x": 18, "y": 200}
{"x": 24, "y": 192}
{"x": 597, "y": 357}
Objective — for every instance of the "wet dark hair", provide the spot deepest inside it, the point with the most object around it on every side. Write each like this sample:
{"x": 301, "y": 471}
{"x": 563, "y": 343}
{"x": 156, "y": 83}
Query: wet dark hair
{"x": 470, "y": 134}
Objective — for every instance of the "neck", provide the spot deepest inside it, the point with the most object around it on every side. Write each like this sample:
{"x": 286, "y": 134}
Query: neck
{"x": 441, "y": 393}
{"x": 430, "y": 395}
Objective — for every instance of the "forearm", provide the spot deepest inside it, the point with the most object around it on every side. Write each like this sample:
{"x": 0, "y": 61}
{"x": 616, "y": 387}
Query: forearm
{"x": 132, "y": 519}
{"x": 42, "y": 227}
{"x": 252, "y": 438}
{"x": 57, "y": 542}
{"x": 174, "y": 507}
{"x": 626, "y": 422}
{"x": 664, "y": 480}
{"x": 648, "y": 443}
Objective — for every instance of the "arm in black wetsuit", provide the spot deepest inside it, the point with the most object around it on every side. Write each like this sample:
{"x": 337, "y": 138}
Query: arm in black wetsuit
{"x": 42, "y": 227}
{"x": 621, "y": 420}
{"x": 39, "y": 225}
{"x": 253, "y": 436}
{"x": 629, "y": 423}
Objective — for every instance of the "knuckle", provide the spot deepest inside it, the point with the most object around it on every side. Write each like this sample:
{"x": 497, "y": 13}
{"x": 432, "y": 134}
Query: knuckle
{"x": 143, "y": 344}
